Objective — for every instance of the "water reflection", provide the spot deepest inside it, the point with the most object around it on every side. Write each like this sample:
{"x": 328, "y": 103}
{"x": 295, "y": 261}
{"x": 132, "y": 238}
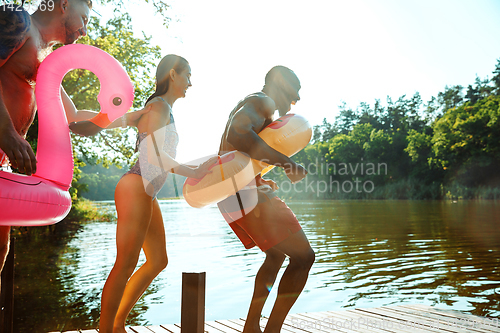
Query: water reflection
{"x": 388, "y": 252}
{"x": 368, "y": 253}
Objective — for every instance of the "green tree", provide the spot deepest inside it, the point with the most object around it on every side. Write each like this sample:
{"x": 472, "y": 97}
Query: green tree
{"x": 451, "y": 97}
{"x": 346, "y": 119}
{"x": 496, "y": 78}
{"x": 472, "y": 95}
{"x": 324, "y": 132}
{"x": 465, "y": 142}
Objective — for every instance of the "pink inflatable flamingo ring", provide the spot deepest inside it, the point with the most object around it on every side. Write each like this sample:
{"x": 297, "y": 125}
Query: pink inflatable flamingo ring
{"x": 43, "y": 198}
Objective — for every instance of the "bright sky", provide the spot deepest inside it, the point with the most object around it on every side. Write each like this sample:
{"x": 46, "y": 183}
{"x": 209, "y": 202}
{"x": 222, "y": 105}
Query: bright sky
{"x": 353, "y": 51}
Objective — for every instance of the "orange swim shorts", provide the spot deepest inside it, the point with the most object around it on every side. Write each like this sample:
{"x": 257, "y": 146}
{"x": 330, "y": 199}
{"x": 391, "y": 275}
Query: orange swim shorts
{"x": 267, "y": 225}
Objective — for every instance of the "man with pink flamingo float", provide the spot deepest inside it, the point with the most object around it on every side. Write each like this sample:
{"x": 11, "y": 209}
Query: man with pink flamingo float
{"x": 25, "y": 40}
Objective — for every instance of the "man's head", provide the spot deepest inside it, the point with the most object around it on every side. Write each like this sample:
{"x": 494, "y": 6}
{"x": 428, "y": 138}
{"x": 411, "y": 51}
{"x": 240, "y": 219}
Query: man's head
{"x": 283, "y": 86}
{"x": 77, "y": 14}
{"x": 70, "y": 17}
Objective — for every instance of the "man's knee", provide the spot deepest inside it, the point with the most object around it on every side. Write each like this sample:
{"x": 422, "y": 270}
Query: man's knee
{"x": 275, "y": 256}
{"x": 305, "y": 259}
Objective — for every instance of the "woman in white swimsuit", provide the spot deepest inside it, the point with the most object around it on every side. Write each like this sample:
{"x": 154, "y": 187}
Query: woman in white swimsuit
{"x": 140, "y": 223}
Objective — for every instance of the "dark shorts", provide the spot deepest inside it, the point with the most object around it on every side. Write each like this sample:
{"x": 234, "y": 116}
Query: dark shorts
{"x": 268, "y": 224}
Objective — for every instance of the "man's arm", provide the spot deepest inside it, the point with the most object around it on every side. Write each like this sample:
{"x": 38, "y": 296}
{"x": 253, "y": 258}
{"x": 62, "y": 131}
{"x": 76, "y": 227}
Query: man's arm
{"x": 15, "y": 23}
{"x": 242, "y": 136}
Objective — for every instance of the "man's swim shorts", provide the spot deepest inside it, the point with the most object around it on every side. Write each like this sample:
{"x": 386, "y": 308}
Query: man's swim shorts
{"x": 269, "y": 222}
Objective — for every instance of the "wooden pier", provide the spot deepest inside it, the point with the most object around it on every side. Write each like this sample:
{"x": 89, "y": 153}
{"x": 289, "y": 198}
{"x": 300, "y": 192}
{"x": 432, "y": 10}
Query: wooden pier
{"x": 397, "y": 319}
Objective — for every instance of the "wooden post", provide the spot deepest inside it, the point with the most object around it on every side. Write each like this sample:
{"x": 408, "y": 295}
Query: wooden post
{"x": 7, "y": 293}
{"x": 193, "y": 303}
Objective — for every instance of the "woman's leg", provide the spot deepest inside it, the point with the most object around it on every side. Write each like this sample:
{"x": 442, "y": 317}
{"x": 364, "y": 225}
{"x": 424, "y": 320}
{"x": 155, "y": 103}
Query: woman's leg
{"x": 134, "y": 208}
{"x": 155, "y": 249}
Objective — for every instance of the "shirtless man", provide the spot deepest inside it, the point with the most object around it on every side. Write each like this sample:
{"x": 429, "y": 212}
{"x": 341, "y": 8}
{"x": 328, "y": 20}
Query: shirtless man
{"x": 271, "y": 225}
{"x": 24, "y": 42}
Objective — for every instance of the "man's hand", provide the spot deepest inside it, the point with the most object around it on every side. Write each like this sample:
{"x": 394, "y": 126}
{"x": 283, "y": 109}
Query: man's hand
{"x": 296, "y": 173}
{"x": 19, "y": 152}
{"x": 268, "y": 182}
{"x": 134, "y": 116}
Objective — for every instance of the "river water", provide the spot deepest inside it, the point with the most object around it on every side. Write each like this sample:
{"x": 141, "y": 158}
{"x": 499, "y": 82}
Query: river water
{"x": 368, "y": 254}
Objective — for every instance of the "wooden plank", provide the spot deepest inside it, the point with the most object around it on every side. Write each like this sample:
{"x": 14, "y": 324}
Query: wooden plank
{"x": 394, "y": 321}
{"x": 284, "y": 328}
{"x": 423, "y": 319}
{"x": 305, "y": 324}
{"x": 352, "y": 322}
{"x": 211, "y": 329}
{"x": 347, "y": 322}
{"x": 236, "y": 327}
{"x": 445, "y": 323}
{"x": 442, "y": 312}
{"x": 427, "y": 308}
{"x": 368, "y": 322}
{"x": 454, "y": 318}
{"x": 340, "y": 321}
{"x": 222, "y": 327}
{"x": 172, "y": 328}
{"x": 140, "y": 329}
{"x": 157, "y": 329}
{"x": 241, "y": 322}
{"x": 385, "y": 323}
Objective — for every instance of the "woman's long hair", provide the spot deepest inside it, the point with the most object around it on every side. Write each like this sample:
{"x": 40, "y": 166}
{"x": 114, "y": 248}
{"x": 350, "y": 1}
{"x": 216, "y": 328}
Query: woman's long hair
{"x": 168, "y": 62}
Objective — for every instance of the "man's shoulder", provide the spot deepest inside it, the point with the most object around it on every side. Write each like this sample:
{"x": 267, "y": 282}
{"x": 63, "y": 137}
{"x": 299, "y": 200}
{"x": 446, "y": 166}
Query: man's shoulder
{"x": 259, "y": 97}
{"x": 15, "y": 24}
{"x": 261, "y": 103}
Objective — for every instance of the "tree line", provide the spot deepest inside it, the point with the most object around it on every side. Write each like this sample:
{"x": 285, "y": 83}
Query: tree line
{"x": 448, "y": 147}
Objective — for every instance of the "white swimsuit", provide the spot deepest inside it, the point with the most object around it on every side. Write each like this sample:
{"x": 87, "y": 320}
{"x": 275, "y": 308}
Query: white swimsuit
{"x": 155, "y": 177}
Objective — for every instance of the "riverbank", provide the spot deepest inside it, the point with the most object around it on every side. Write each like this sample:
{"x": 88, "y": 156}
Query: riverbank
{"x": 410, "y": 189}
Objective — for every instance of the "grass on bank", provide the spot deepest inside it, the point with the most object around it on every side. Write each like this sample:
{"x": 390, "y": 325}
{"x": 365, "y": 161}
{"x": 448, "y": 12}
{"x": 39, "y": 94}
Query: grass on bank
{"x": 82, "y": 210}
